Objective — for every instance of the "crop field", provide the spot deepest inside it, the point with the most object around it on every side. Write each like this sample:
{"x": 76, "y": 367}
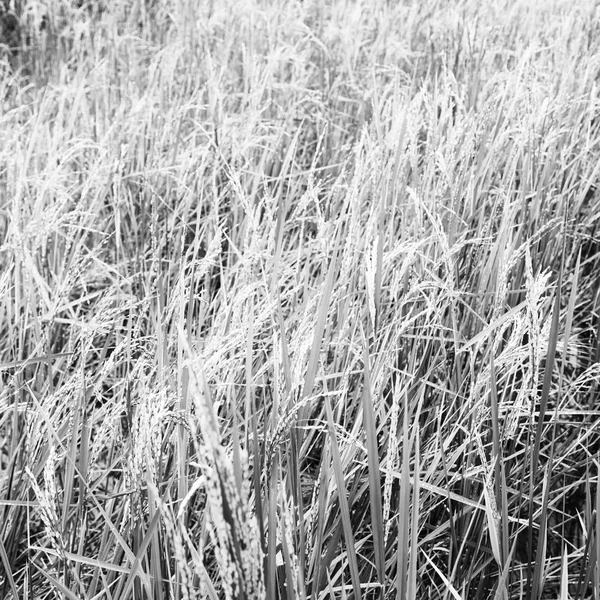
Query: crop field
{"x": 299, "y": 300}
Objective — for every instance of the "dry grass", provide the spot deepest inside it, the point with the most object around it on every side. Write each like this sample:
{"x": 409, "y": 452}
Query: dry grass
{"x": 300, "y": 300}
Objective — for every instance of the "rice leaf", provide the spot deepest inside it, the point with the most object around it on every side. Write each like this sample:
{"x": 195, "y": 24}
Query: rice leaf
{"x": 374, "y": 471}
{"x": 343, "y": 502}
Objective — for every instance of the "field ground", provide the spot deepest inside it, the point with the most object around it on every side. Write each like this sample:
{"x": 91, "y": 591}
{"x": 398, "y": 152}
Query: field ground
{"x": 299, "y": 299}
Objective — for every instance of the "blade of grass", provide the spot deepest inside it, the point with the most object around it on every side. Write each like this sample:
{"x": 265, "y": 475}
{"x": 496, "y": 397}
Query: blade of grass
{"x": 250, "y": 414}
{"x": 285, "y": 353}
{"x": 596, "y": 557}
{"x": 374, "y": 471}
{"x": 199, "y": 564}
{"x": 237, "y": 451}
{"x": 67, "y": 593}
{"x": 271, "y": 575}
{"x": 156, "y": 572}
{"x": 498, "y": 459}
{"x": 69, "y": 483}
{"x": 315, "y": 350}
{"x": 343, "y": 500}
{"x": 496, "y": 324}
{"x": 7, "y": 570}
{"x": 570, "y": 314}
{"x": 403, "y": 512}
{"x": 564, "y": 576}
{"x": 444, "y": 579}
{"x": 544, "y": 399}
{"x": 295, "y": 478}
{"x": 292, "y": 576}
{"x": 83, "y": 463}
{"x": 19, "y": 364}
{"x": 84, "y": 560}
{"x": 318, "y": 567}
{"x": 148, "y": 537}
{"x": 492, "y": 526}
{"x": 330, "y": 555}
{"x": 542, "y": 541}
{"x": 502, "y": 587}
{"x": 413, "y": 547}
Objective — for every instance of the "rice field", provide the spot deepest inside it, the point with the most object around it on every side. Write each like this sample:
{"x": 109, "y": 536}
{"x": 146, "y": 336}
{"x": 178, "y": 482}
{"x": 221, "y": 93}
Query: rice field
{"x": 299, "y": 300}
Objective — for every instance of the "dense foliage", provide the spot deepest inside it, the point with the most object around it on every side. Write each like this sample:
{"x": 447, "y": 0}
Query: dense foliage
{"x": 299, "y": 299}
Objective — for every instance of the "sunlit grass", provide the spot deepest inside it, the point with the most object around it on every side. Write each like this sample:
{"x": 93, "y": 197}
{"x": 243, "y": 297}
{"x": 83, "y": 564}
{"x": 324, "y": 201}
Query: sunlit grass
{"x": 300, "y": 300}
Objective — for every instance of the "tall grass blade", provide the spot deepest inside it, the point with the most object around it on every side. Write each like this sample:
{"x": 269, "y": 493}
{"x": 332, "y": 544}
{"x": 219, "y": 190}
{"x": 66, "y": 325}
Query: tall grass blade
{"x": 271, "y": 558}
{"x": 374, "y": 471}
{"x": 139, "y": 558}
{"x": 322, "y": 312}
{"x": 498, "y": 462}
{"x": 570, "y": 316}
{"x": 596, "y": 558}
{"x": 8, "y": 570}
{"x": 564, "y": 576}
{"x": 319, "y": 565}
{"x": 544, "y": 399}
{"x": 342, "y": 494}
{"x": 448, "y": 585}
{"x": 502, "y": 586}
{"x": 69, "y": 484}
{"x": 66, "y": 592}
{"x": 540, "y": 555}
{"x": 403, "y": 513}
{"x": 414, "y": 534}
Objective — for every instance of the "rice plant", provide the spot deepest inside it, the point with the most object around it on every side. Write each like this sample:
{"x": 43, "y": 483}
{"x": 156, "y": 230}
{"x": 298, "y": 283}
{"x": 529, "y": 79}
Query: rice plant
{"x": 299, "y": 300}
